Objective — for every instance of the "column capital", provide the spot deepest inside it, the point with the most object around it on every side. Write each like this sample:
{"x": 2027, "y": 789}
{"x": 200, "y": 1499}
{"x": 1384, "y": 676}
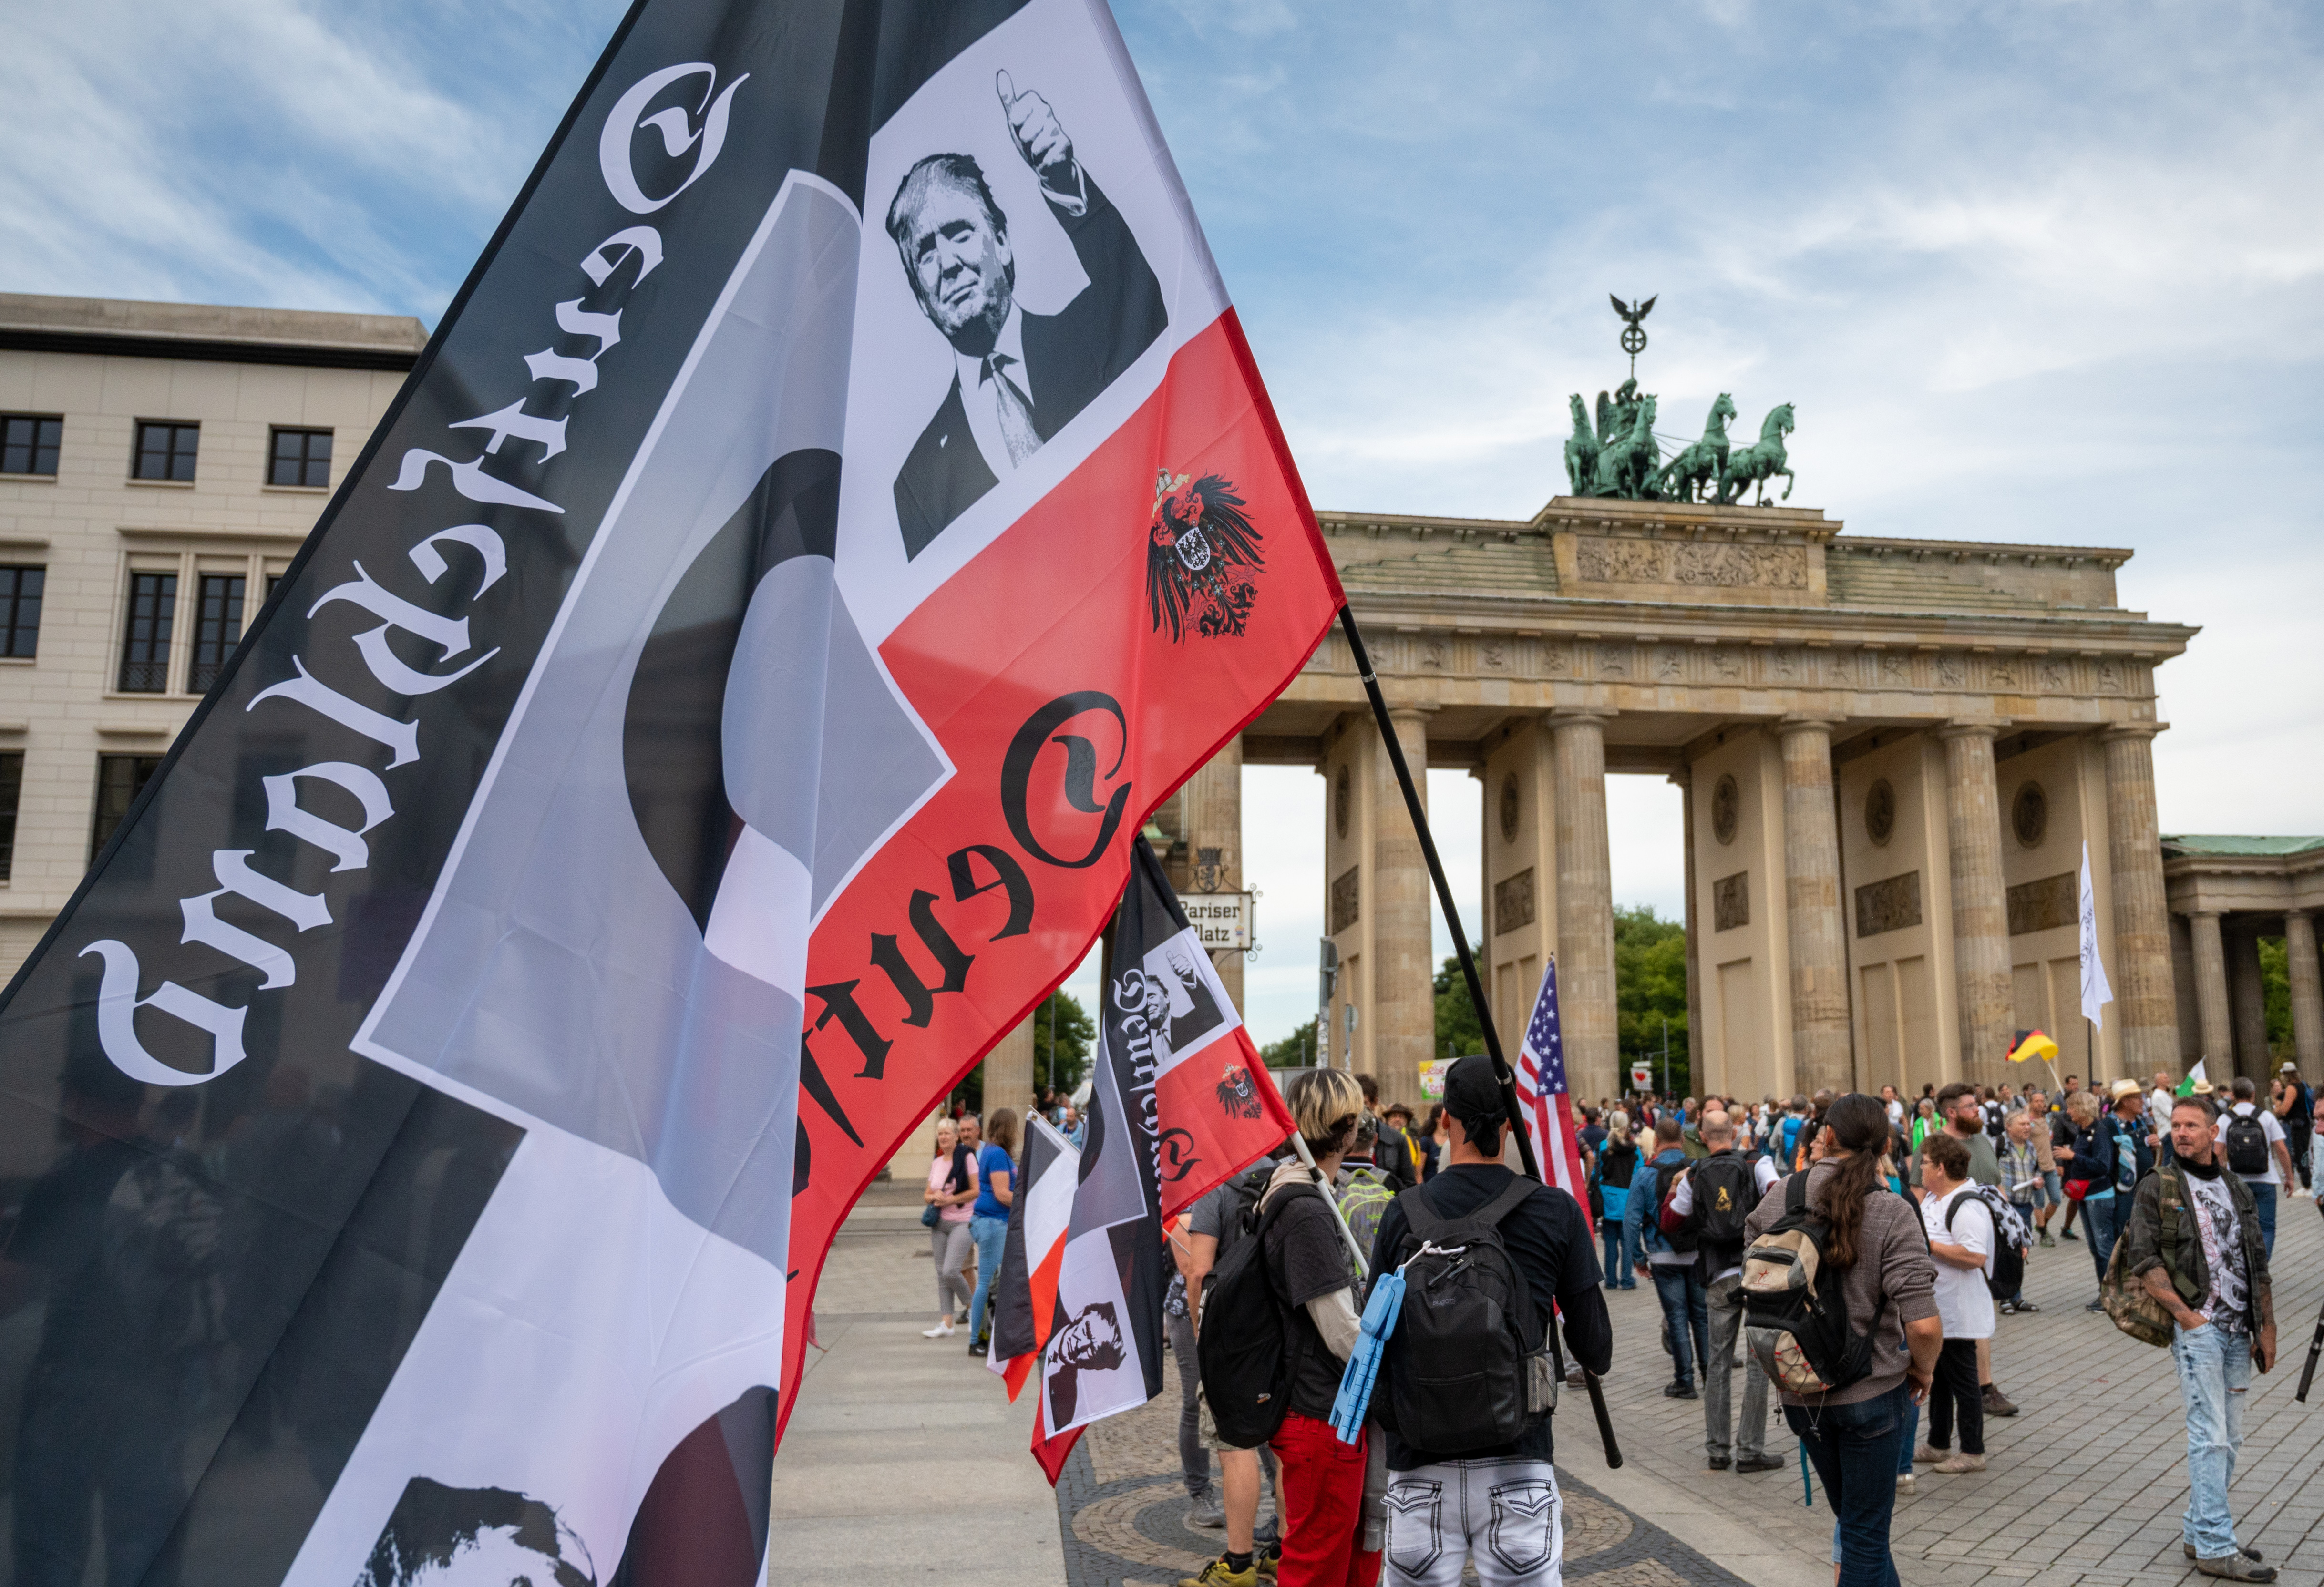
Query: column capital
{"x": 1416, "y": 710}
{"x": 2299, "y": 913}
{"x": 2121, "y": 732}
{"x": 1574, "y": 716}
{"x": 2205, "y": 914}
{"x": 1786, "y": 727}
{"x": 1962, "y": 729}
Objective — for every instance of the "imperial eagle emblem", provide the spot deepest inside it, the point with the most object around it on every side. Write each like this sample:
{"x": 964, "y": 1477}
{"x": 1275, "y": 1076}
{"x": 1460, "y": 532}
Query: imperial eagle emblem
{"x": 1200, "y": 551}
{"x": 1237, "y": 1095}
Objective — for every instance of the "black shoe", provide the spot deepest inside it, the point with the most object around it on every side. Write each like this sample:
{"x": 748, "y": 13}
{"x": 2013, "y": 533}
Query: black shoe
{"x": 1760, "y": 1462}
{"x": 2069, "y": 1234}
{"x": 1680, "y": 1391}
{"x": 2008, "y": 1308}
{"x": 2096, "y": 1305}
{"x": 1720, "y": 1462}
{"x": 980, "y": 1347}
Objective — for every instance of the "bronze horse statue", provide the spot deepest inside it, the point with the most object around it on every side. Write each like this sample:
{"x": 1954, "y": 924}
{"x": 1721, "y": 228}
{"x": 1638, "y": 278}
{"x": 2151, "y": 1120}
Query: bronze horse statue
{"x": 1757, "y": 465}
{"x": 1581, "y": 450}
{"x": 1627, "y": 464}
{"x": 1685, "y": 476}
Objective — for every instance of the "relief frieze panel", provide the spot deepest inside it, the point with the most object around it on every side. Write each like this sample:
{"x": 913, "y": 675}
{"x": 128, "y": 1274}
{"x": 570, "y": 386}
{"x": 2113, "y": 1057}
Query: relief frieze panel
{"x": 1731, "y": 566}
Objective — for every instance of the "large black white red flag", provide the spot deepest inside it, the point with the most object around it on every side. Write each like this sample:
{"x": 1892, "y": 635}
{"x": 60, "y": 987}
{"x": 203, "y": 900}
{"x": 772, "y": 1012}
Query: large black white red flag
{"x": 839, "y": 506}
{"x": 1178, "y": 1101}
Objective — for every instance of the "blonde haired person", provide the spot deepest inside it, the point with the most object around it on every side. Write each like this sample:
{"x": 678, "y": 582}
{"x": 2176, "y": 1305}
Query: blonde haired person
{"x": 1618, "y": 1167}
{"x": 951, "y": 1190}
{"x": 1323, "y": 1480}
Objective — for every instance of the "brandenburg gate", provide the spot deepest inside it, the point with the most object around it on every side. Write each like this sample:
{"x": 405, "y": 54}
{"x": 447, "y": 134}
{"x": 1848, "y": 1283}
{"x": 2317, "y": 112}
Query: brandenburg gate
{"x": 1891, "y": 753}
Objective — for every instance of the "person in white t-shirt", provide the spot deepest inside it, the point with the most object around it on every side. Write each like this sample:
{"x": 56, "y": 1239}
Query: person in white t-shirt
{"x": 1893, "y": 1105}
{"x": 1964, "y": 1257}
{"x": 2267, "y": 1185}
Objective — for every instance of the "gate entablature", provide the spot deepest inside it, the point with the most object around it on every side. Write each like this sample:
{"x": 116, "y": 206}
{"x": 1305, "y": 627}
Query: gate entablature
{"x": 1742, "y": 644}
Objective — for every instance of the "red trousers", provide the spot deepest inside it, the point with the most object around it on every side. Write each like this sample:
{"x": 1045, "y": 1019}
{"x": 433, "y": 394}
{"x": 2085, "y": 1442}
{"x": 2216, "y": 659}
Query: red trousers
{"x": 1322, "y": 1503}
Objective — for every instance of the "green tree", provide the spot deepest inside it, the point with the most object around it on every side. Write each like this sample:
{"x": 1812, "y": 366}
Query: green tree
{"x": 2276, "y": 975}
{"x": 1077, "y": 1039}
{"x": 1649, "y": 987}
{"x": 1297, "y": 1050}
{"x": 1459, "y": 1031}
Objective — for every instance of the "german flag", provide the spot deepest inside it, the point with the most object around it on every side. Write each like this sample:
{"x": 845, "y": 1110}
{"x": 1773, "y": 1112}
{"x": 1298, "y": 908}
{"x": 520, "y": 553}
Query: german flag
{"x": 2033, "y": 1044}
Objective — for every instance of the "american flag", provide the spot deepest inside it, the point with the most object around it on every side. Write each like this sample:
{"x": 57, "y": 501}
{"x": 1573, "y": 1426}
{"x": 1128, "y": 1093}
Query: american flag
{"x": 1542, "y": 1095}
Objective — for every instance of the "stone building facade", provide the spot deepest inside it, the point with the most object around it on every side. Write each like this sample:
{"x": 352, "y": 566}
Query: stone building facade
{"x": 2226, "y": 894}
{"x": 159, "y": 465}
{"x": 1893, "y": 753}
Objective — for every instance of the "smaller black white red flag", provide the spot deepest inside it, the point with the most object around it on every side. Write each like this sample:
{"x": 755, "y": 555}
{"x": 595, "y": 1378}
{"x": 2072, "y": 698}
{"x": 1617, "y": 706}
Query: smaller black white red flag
{"x": 1026, "y": 1299}
{"x": 1179, "y": 1101}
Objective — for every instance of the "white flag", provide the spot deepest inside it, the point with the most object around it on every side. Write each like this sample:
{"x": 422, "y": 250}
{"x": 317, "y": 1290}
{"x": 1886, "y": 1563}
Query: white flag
{"x": 2096, "y": 993}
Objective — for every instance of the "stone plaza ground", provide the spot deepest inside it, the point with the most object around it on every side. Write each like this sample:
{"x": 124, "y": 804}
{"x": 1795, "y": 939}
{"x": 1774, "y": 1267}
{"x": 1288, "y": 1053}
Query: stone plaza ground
{"x": 905, "y": 1461}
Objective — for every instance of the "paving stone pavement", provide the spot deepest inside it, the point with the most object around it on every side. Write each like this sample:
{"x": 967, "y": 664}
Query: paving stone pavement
{"x": 2086, "y": 1486}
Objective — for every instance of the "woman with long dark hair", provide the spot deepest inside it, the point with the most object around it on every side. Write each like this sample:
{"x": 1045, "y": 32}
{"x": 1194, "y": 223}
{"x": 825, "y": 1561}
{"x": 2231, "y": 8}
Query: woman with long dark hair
{"x": 1873, "y": 1240}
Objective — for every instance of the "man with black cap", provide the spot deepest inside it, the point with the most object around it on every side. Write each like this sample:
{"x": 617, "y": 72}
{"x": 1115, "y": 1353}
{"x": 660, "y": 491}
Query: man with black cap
{"x": 1498, "y": 1505}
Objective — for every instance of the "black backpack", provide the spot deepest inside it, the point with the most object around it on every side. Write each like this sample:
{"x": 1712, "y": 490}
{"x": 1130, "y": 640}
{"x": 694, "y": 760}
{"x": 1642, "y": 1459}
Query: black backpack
{"x": 2008, "y": 1274}
{"x": 1248, "y": 1349}
{"x": 1794, "y": 1316}
{"x": 1726, "y": 1189}
{"x": 2246, "y": 1140}
{"x": 1468, "y": 1357}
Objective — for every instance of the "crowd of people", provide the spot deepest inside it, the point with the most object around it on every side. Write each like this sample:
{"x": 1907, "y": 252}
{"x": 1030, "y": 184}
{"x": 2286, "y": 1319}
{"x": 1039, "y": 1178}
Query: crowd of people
{"x": 1922, "y": 1213}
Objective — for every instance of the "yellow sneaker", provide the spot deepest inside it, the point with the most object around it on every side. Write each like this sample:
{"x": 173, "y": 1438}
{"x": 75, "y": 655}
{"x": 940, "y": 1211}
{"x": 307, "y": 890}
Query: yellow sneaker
{"x": 1217, "y": 1574}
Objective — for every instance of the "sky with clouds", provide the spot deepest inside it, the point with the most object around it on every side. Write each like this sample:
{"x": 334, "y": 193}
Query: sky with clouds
{"x": 2046, "y": 271}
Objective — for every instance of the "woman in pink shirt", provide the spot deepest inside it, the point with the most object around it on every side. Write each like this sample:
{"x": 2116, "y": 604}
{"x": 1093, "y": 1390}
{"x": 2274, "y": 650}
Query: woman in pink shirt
{"x": 952, "y": 1192}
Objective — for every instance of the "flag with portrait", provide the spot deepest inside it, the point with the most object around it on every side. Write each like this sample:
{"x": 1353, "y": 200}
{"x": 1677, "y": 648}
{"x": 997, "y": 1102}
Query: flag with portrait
{"x": 715, "y": 707}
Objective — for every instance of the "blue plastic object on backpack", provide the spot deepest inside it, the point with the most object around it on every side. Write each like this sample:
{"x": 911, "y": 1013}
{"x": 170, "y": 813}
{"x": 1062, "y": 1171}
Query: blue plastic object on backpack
{"x": 1356, "y": 1383}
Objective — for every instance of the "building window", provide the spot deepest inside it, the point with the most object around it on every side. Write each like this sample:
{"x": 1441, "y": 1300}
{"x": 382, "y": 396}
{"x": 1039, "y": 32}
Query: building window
{"x": 300, "y": 458}
{"x": 120, "y": 778}
{"x": 217, "y": 625}
{"x": 165, "y": 451}
{"x": 20, "y": 610}
{"x": 145, "y": 644}
{"x": 29, "y": 443}
{"x": 12, "y": 784}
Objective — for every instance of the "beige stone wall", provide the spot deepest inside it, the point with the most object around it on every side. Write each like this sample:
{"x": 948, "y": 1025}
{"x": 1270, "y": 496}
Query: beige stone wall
{"x": 2045, "y": 963}
{"x": 1905, "y": 1023}
{"x": 1745, "y": 970}
{"x": 91, "y": 524}
{"x": 1519, "y": 920}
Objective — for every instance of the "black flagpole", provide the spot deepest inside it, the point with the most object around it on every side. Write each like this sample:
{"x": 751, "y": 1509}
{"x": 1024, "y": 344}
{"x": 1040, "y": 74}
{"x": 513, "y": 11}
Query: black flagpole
{"x": 1501, "y": 1070}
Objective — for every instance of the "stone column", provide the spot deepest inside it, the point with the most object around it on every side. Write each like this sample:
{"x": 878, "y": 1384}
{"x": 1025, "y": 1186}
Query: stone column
{"x": 1698, "y": 1043}
{"x": 2307, "y": 994}
{"x": 2219, "y": 1055}
{"x": 1213, "y": 798}
{"x": 2144, "y": 1001}
{"x": 1585, "y": 905}
{"x": 1822, "y": 1051}
{"x": 1403, "y": 978}
{"x": 2247, "y": 997}
{"x": 1009, "y": 1070}
{"x": 1980, "y": 912}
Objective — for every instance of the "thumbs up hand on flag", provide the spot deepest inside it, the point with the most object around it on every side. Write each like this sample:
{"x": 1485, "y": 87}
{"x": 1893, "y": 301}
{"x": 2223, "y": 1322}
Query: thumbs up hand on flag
{"x": 1040, "y": 139}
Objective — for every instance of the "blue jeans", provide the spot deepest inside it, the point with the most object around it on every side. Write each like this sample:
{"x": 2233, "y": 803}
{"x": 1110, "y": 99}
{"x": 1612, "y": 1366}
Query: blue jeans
{"x": 1686, "y": 1309}
{"x": 1860, "y": 1439}
{"x": 1621, "y": 1242}
{"x": 2214, "y": 1373}
{"x": 2104, "y": 1217}
{"x": 2263, "y": 1195}
{"x": 991, "y": 1238}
